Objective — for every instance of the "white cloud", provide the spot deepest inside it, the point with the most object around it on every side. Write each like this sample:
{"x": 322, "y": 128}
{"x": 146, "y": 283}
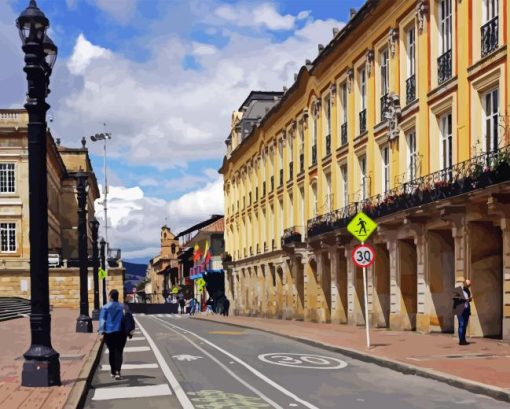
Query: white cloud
{"x": 204, "y": 49}
{"x": 135, "y": 219}
{"x": 84, "y": 53}
{"x": 120, "y": 10}
{"x": 303, "y": 14}
{"x": 264, "y": 15}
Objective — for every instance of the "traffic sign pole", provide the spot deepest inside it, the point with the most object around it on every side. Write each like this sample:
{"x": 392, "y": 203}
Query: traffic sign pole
{"x": 367, "y": 321}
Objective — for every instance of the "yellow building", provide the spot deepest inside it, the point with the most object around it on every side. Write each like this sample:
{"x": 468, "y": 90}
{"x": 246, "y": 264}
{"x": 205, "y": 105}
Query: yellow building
{"x": 63, "y": 163}
{"x": 404, "y": 115}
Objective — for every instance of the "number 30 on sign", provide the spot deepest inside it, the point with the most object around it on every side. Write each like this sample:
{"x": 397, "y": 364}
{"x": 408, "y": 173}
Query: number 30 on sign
{"x": 363, "y": 255}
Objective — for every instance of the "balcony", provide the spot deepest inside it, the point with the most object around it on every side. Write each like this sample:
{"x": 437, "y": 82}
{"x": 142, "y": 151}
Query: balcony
{"x": 301, "y": 162}
{"x": 294, "y": 234}
{"x": 489, "y": 35}
{"x": 476, "y": 173}
{"x": 343, "y": 134}
{"x": 272, "y": 183}
{"x": 384, "y": 105}
{"x": 314, "y": 155}
{"x": 410, "y": 89}
{"x": 328, "y": 145}
{"x": 444, "y": 67}
{"x": 281, "y": 178}
{"x": 363, "y": 121}
{"x": 291, "y": 170}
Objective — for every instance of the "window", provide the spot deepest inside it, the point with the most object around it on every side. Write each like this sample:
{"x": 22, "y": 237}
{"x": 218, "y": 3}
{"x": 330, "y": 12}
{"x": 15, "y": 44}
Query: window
{"x": 291, "y": 148}
{"x": 345, "y": 187}
{"x": 8, "y": 237}
{"x": 490, "y": 10}
{"x": 327, "y": 113}
{"x": 490, "y": 27}
{"x": 314, "y": 199}
{"x": 7, "y": 178}
{"x": 363, "y": 102}
{"x": 280, "y": 222}
{"x": 411, "y": 66}
{"x": 445, "y": 25}
{"x": 385, "y": 80}
{"x": 343, "y": 101}
{"x": 491, "y": 111}
{"x": 301, "y": 207}
{"x": 301, "y": 148}
{"x": 290, "y": 221}
{"x": 446, "y": 141}
{"x": 363, "y": 177}
{"x": 385, "y": 153}
{"x": 314, "y": 140}
{"x": 329, "y": 195}
{"x": 412, "y": 155}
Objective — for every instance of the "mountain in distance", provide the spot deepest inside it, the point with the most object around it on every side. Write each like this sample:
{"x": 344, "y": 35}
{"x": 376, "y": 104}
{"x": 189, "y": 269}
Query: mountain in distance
{"x": 134, "y": 273}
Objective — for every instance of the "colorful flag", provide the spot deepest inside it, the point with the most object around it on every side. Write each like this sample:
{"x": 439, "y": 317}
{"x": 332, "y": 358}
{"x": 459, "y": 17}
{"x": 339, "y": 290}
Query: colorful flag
{"x": 207, "y": 253}
{"x": 197, "y": 255}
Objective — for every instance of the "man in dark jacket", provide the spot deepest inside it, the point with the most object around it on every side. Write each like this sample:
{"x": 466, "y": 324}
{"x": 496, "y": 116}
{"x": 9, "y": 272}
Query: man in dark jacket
{"x": 461, "y": 306}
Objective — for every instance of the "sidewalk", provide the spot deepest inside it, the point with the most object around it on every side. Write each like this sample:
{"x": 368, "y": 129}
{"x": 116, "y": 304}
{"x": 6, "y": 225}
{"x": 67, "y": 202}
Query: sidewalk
{"x": 482, "y": 367}
{"x": 76, "y": 351}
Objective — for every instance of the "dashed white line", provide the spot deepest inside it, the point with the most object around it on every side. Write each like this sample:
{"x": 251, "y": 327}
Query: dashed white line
{"x": 137, "y": 339}
{"x": 131, "y": 392}
{"x": 179, "y": 392}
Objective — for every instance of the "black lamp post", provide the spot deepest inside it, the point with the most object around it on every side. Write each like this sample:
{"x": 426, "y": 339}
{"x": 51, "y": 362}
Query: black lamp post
{"x": 95, "y": 263}
{"x": 41, "y": 366}
{"x": 83, "y": 323}
{"x": 103, "y": 266}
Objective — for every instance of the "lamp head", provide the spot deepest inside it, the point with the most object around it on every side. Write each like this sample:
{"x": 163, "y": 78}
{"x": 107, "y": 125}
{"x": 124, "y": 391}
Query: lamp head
{"x": 32, "y": 24}
{"x": 50, "y": 51}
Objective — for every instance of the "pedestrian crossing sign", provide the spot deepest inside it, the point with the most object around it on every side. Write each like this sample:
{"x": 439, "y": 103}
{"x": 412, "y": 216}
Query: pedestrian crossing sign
{"x": 102, "y": 274}
{"x": 200, "y": 282}
{"x": 361, "y": 226}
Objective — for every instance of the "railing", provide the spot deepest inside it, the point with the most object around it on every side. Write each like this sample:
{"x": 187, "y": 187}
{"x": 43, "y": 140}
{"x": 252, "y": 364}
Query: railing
{"x": 294, "y": 234}
{"x": 272, "y": 183}
{"x": 281, "y": 177}
{"x": 328, "y": 145}
{"x": 251, "y": 251}
{"x": 314, "y": 155}
{"x": 444, "y": 67}
{"x": 257, "y": 248}
{"x": 301, "y": 162}
{"x": 363, "y": 121}
{"x": 384, "y": 105}
{"x": 410, "y": 89}
{"x": 256, "y": 193}
{"x": 476, "y": 173}
{"x": 343, "y": 134}
{"x": 489, "y": 34}
{"x": 273, "y": 244}
{"x": 249, "y": 199}
{"x": 265, "y": 247}
{"x": 263, "y": 188}
{"x": 291, "y": 170}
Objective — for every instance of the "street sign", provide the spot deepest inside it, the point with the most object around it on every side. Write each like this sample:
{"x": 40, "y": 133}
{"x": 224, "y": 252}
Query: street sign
{"x": 200, "y": 282}
{"x": 175, "y": 290}
{"x": 102, "y": 274}
{"x": 361, "y": 226}
{"x": 363, "y": 255}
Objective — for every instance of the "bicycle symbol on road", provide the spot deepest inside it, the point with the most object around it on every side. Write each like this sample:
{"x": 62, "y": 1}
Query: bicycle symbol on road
{"x": 303, "y": 361}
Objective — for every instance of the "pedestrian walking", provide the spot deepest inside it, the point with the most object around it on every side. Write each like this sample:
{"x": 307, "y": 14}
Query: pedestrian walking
{"x": 116, "y": 323}
{"x": 182, "y": 302}
{"x": 462, "y": 309}
{"x": 192, "y": 306}
{"x": 209, "y": 306}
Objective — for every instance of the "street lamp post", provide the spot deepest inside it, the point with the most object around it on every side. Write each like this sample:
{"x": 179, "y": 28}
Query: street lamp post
{"x": 83, "y": 323}
{"x": 103, "y": 266}
{"x": 41, "y": 367}
{"x": 95, "y": 263}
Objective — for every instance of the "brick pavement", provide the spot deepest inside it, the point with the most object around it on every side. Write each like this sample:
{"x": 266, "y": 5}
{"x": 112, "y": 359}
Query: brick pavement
{"x": 486, "y": 361}
{"x": 74, "y": 351}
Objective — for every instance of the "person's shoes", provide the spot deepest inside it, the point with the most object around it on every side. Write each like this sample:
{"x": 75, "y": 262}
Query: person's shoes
{"x": 117, "y": 376}
{"x": 464, "y": 343}
{"x": 113, "y": 376}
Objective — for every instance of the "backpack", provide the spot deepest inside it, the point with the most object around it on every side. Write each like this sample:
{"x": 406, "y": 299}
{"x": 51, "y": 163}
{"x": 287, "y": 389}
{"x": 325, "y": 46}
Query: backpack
{"x": 128, "y": 322}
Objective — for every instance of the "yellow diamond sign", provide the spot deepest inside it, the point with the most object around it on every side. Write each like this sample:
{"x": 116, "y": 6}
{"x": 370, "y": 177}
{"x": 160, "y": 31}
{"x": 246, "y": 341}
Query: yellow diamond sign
{"x": 200, "y": 282}
{"x": 102, "y": 274}
{"x": 361, "y": 226}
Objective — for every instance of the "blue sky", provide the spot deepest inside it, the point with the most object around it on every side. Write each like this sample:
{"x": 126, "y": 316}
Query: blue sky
{"x": 165, "y": 76}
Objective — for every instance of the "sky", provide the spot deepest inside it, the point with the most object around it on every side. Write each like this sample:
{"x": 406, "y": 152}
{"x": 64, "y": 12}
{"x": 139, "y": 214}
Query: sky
{"x": 163, "y": 76}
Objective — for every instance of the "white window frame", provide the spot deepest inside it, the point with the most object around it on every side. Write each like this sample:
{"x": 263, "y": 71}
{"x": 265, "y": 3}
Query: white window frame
{"x": 411, "y": 51}
{"x": 329, "y": 194}
{"x": 445, "y": 25}
{"x": 363, "y": 176}
{"x": 8, "y": 233}
{"x": 7, "y": 177}
{"x": 344, "y": 102}
{"x": 315, "y": 207}
{"x": 291, "y": 148}
{"x": 363, "y": 88}
{"x": 302, "y": 207}
{"x": 490, "y": 121}
{"x": 385, "y": 161}
{"x": 327, "y": 115}
{"x": 345, "y": 184}
{"x": 490, "y": 10}
{"x": 385, "y": 72}
{"x": 412, "y": 155}
{"x": 446, "y": 145}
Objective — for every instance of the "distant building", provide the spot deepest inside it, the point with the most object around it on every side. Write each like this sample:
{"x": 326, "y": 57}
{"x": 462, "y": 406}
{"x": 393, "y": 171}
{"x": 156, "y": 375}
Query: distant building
{"x": 63, "y": 163}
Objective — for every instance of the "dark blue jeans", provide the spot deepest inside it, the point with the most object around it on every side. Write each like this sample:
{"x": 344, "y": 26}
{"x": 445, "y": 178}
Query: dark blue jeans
{"x": 463, "y": 323}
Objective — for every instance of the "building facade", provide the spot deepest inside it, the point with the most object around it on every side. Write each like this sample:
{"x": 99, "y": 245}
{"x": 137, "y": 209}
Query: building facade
{"x": 63, "y": 163}
{"x": 403, "y": 115}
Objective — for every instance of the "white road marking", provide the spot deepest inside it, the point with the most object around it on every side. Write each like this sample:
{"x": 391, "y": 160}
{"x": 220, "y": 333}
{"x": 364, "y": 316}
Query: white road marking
{"x": 293, "y": 404}
{"x": 185, "y": 357}
{"x": 235, "y": 376}
{"x": 131, "y": 392}
{"x": 133, "y": 349}
{"x": 179, "y": 392}
{"x": 302, "y": 360}
{"x": 250, "y": 368}
{"x": 137, "y": 339}
{"x": 132, "y": 366}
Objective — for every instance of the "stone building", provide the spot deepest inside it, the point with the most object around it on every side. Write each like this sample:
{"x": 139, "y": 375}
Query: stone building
{"x": 63, "y": 163}
{"x": 404, "y": 115}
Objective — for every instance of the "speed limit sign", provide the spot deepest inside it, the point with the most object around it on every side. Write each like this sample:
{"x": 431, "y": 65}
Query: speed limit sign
{"x": 363, "y": 255}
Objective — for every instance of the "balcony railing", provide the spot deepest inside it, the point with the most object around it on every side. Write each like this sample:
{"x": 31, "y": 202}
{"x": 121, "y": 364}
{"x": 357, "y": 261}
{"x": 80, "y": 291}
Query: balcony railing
{"x": 281, "y": 178}
{"x": 490, "y": 36}
{"x": 301, "y": 162}
{"x": 314, "y": 155}
{"x": 343, "y": 134}
{"x": 272, "y": 183}
{"x": 384, "y": 105}
{"x": 294, "y": 234}
{"x": 444, "y": 67}
{"x": 263, "y": 188}
{"x": 265, "y": 247}
{"x": 476, "y": 173}
{"x": 363, "y": 121}
{"x": 291, "y": 170}
{"x": 328, "y": 145}
{"x": 257, "y": 247}
{"x": 410, "y": 89}
{"x": 256, "y": 193}
{"x": 273, "y": 244}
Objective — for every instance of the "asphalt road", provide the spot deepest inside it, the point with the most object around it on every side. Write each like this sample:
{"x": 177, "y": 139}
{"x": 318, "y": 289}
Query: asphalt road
{"x": 177, "y": 362}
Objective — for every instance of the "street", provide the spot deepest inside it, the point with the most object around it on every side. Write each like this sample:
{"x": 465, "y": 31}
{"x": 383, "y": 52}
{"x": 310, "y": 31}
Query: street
{"x": 174, "y": 361}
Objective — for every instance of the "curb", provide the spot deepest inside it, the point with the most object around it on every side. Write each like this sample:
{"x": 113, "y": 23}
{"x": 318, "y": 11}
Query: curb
{"x": 407, "y": 369}
{"x": 76, "y": 398}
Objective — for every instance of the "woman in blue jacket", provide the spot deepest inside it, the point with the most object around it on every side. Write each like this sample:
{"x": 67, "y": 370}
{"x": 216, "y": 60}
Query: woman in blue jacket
{"x": 116, "y": 323}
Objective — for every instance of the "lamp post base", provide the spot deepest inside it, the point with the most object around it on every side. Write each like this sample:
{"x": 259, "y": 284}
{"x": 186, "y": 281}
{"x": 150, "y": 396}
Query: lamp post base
{"x": 41, "y": 372}
{"x": 95, "y": 315}
{"x": 83, "y": 324}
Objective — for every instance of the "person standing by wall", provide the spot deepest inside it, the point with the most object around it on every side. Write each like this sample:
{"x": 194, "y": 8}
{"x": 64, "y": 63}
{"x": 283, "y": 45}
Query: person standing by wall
{"x": 461, "y": 299}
